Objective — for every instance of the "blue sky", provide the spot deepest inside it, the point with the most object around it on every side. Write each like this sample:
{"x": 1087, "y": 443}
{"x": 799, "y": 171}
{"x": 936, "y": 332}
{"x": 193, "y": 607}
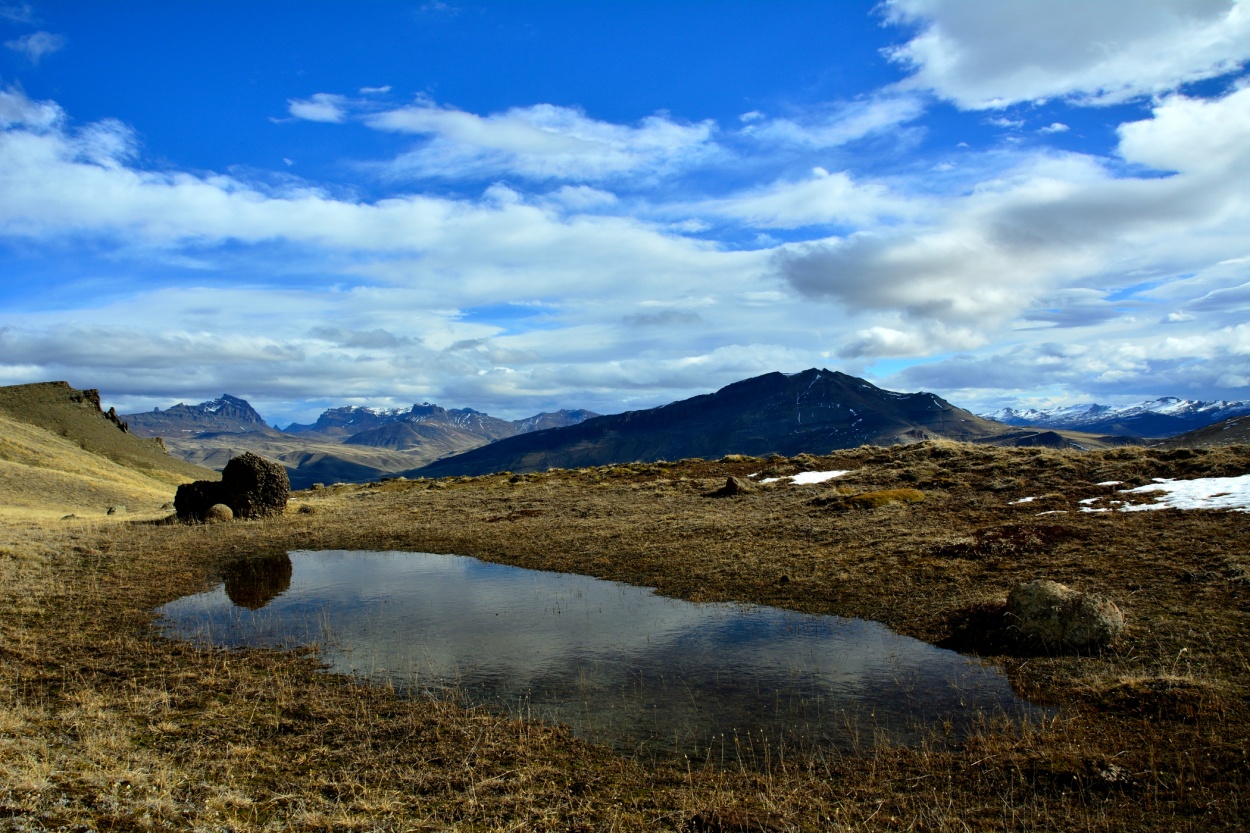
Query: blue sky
{"x": 525, "y": 206}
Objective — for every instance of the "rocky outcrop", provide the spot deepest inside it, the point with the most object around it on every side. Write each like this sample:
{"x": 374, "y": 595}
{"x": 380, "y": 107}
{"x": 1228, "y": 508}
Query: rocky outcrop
{"x": 1053, "y": 615}
{"x": 251, "y": 486}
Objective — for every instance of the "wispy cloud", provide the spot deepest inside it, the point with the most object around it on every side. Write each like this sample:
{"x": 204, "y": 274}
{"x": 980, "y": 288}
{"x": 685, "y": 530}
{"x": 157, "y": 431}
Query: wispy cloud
{"x": 15, "y": 13}
{"x": 838, "y": 124}
{"x": 37, "y": 45}
{"x": 543, "y": 141}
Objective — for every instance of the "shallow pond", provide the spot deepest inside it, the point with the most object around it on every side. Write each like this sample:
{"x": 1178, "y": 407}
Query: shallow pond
{"x": 620, "y": 665}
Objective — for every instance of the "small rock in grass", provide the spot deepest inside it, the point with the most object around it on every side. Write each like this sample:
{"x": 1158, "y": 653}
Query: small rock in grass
{"x": 733, "y": 486}
{"x": 1055, "y": 615}
{"x": 117, "y": 509}
{"x": 218, "y": 512}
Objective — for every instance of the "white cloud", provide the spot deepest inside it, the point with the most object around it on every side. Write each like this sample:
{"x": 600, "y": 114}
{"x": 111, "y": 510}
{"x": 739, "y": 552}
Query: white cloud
{"x": 988, "y": 54}
{"x": 1055, "y": 221}
{"x": 1193, "y": 135}
{"x": 1054, "y": 127}
{"x": 37, "y": 45}
{"x": 582, "y": 197}
{"x": 386, "y": 88}
{"x": 823, "y": 198}
{"x": 1124, "y": 365}
{"x": 16, "y": 110}
{"x": 543, "y": 141}
{"x": 322, "y": 107}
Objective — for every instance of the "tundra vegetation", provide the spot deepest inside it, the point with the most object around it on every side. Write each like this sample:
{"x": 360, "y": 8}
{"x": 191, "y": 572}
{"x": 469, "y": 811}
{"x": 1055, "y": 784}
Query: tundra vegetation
{"x": 106, "y": 725}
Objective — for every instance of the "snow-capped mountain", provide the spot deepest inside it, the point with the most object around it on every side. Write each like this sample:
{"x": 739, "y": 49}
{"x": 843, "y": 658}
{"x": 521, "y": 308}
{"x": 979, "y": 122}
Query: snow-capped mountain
{"x": 1164, "y": 417}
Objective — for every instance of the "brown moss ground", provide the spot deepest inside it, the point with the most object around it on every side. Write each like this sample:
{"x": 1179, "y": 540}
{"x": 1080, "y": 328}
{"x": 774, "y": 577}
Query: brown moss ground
{"x": 103, "y": 725}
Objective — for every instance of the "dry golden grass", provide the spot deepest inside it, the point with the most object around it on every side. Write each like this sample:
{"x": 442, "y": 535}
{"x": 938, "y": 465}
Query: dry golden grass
{"x": 43, "y": 475}
{"x": 104, "y": 725}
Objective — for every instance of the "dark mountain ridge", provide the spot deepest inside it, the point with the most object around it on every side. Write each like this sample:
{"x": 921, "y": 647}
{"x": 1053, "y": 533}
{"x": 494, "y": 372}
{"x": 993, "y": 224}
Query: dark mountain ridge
{"x": 813, "y": 411}
{"x": 226, "y": 415}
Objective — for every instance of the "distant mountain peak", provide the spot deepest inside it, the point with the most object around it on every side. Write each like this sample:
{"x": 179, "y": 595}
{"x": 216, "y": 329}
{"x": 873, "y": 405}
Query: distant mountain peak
{"x": 226, "y": 414}
{"x": 1167, "y": 416}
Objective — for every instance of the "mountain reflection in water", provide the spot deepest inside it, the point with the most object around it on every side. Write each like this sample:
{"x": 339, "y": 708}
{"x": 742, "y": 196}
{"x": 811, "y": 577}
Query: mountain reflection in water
{"x": 618, "y": 664}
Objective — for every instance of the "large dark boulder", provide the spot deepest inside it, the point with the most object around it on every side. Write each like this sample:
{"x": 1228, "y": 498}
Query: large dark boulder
{"x": 250, "y": 485}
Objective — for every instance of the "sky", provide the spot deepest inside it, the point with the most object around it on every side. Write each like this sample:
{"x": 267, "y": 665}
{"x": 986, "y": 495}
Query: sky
{"x": 525, "y": 206}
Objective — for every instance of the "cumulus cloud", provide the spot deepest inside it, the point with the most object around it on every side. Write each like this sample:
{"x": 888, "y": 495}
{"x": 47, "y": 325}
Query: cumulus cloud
{"x": 543, "y": 141}
{"x": 37, "y": 45}
{"x": 1055, "y": 221}
{"x": 987, "y": 54}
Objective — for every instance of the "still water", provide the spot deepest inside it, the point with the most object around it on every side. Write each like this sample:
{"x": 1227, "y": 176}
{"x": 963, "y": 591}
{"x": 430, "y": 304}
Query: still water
{"x": 618, "y": 664}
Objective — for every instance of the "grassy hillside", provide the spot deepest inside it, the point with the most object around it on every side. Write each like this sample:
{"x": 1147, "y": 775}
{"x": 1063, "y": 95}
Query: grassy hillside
{"x": 1234, "y": 431}
{"x": 60, "y": 455}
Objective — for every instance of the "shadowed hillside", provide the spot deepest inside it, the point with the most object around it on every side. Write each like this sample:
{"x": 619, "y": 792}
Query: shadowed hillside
{"x": 814, "y": 411}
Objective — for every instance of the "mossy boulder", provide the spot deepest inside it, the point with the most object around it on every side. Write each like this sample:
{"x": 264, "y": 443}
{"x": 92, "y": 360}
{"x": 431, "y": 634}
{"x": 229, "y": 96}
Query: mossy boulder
{"x": 1053, "y": 615}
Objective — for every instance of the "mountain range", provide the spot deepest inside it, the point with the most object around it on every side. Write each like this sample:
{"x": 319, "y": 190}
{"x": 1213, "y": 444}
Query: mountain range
{"x": 350, "y": 443}
{"x": 813, "y": 411}
{"x": 1164, "y": 417}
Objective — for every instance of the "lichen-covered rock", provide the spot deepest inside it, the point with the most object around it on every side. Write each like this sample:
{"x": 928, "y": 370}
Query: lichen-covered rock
{"x": 251, "y": 486}
{"x": 1057, "y": 616}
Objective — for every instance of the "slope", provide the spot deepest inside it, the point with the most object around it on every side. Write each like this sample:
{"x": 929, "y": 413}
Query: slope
{"x": 59, "y": 454}
{"x": 76, "y": 416}
{"x": 1235, "y": 431}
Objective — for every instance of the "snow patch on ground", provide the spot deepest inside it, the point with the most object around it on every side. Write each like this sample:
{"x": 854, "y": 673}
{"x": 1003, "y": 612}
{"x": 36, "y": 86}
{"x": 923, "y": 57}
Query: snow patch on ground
{"x": 1231, "y": 493}
{"x": 806, "y": 478}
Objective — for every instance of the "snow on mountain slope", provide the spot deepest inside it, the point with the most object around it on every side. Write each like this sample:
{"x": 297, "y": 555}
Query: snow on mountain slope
{"x": 1163, "y": 417}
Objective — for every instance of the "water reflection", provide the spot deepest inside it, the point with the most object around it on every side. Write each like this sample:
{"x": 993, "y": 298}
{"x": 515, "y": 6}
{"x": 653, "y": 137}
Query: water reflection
{"x": 255, "y": 582}
{"x": 617, "y": 663}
